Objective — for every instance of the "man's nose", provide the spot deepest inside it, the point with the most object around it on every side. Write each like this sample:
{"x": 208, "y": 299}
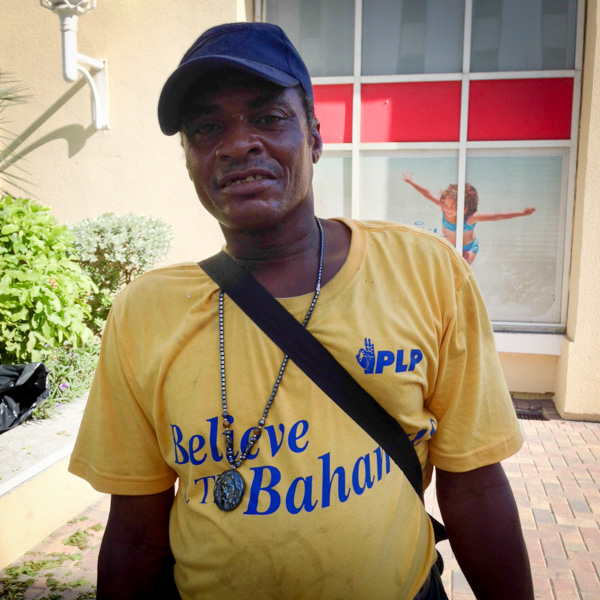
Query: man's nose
{"x": 239, "y": 139}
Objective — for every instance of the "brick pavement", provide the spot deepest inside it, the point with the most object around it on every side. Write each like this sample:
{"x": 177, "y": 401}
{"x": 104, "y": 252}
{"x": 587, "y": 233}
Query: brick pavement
{"x": 63, "y": 566}
{"x": 556, "y": 481}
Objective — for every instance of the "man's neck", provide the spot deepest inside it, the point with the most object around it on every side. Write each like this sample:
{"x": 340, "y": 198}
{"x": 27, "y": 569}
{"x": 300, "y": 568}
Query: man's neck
{"x": 285, "y": 260}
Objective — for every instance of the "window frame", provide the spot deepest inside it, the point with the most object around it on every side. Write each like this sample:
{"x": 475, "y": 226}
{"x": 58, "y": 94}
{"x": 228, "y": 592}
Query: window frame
{"x": 356, "y": 148}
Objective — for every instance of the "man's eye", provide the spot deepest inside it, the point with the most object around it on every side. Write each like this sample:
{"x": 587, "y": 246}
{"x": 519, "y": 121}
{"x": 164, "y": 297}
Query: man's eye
{"x": 201, "y": 128}
{"x": 269, "y": 119}
{"x": 205, "y": 128}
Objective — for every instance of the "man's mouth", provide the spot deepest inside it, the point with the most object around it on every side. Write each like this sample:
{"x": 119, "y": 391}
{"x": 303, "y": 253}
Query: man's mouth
{"x": 244, "y": 180}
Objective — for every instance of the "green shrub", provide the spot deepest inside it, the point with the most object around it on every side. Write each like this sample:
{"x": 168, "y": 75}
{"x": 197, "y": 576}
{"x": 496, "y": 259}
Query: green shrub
{"x": 43, "y": 291}
{"x": 71, "y": 374}
{"x": 113, "y": 250}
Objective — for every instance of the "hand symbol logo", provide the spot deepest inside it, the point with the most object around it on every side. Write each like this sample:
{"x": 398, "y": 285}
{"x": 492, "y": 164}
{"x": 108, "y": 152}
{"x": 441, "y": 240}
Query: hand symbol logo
{"x": 366, "y": 357}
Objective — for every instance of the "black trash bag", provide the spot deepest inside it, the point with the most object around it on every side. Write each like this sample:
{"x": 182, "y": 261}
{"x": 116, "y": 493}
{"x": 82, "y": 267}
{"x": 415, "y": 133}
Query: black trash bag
{"x": 22, "y": 389}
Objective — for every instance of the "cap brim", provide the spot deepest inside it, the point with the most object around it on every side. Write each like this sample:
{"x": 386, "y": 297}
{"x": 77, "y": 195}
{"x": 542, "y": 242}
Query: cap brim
{"x": 185, "y": 77}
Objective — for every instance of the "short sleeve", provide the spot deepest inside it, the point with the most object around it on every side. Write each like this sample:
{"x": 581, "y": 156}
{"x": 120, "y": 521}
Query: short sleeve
{"x": 117, "y": 450}
{"x": 477, "y": 423}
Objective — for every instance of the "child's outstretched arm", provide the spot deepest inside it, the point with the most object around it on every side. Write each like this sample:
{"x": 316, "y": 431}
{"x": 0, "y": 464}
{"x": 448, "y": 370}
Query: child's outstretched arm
{"x": 479, "y": 217}
{"x": 407, "y": 176}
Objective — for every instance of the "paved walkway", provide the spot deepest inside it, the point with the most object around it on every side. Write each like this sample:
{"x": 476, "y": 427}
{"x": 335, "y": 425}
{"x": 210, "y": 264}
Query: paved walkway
{"x": 555, "y": 477}
{"x": 556, "y": 481}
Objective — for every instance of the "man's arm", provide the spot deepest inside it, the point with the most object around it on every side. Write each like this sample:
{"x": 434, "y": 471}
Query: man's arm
{"x": 135, "y": 559}
{"x": 482, "y": 520}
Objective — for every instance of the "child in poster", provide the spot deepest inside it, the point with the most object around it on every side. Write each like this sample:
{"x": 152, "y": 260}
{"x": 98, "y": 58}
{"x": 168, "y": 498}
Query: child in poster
{"x": 447, "y": 201}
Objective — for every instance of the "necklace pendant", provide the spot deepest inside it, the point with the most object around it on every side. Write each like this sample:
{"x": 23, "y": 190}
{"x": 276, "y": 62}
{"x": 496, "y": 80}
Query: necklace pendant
{"x": 229, "y": 489}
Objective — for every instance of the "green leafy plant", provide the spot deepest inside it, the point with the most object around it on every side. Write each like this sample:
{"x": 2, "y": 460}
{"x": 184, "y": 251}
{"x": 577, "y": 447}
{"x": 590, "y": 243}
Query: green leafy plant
{"x": 113, "y": 250}
{"x": 43, "y": 290}
{"x": 79, "y": 538}
{"x": 71, "y": 373}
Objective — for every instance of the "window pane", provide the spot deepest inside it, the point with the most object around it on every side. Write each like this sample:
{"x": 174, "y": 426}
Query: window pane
{"x": 412, "y": 36}
{"x": 333, "y": 108}
{"x": 385, "y": 107}
{"x": 385, "y": 194}
{"x": 523, "y": 35}
{"x": 321, "y": 30}
{"x": 332, "y": 186}
{"x": 519, "y": 263}
{"x": 522, "y": 109}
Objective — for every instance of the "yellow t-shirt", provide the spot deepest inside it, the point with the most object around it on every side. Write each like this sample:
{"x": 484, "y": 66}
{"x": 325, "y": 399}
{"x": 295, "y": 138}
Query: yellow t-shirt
{"x": 325, "y": 513}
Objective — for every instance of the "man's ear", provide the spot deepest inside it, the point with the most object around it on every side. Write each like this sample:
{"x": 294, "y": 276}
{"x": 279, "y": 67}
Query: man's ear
{"x": 317, "y": 142}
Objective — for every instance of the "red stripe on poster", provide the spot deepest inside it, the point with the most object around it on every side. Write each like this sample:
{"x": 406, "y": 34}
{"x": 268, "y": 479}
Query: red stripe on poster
{"x": 520, "y": 109}
{"x": 333, "y": 108}
{"x": 411, "y": 112}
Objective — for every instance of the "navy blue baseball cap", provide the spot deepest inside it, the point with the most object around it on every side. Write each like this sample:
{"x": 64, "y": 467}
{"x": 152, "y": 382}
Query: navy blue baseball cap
{"x": 261, "y": 49}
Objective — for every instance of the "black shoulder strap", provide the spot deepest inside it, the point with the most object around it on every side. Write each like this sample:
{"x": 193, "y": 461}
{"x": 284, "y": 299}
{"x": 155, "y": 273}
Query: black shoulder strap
{"x": 316, "y": 362}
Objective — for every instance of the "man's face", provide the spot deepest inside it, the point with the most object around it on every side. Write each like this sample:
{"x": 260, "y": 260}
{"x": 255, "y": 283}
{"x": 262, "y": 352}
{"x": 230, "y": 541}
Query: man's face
{"x": 249, "y": 152}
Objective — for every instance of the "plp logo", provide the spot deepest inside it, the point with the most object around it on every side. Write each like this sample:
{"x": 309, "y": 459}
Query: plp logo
{"x": 374, "y": 362}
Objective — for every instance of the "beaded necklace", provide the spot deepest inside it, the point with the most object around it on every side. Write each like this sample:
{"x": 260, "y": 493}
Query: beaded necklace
{"x": 229, "y": 485}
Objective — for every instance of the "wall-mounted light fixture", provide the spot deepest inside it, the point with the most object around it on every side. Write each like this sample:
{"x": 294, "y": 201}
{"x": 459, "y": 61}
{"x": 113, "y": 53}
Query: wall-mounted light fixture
{"x": 69, "y": 12}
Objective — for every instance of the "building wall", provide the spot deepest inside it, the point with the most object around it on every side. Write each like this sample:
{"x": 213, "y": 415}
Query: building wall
{"x": 530, "y": 373}
{"x": 132, "y": 166}
{"x": 578, "y": 379}
{"x": 34, "y": 509}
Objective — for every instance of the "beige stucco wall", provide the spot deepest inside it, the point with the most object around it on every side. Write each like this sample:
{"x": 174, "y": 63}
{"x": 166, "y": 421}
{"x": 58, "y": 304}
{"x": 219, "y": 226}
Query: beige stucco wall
{"x": 530, "y": 373}
{"x": 578, "y": 381}
{"x": 36, "y": 508}
{"x": 132, "y": 167}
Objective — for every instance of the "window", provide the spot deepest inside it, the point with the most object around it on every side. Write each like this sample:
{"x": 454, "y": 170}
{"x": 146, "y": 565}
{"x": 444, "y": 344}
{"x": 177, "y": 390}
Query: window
{"x": 418, "y": 37}
{"x": 321, "y": 30}
{"x": 523, "y": 35}
{"x": 416, "y": 95}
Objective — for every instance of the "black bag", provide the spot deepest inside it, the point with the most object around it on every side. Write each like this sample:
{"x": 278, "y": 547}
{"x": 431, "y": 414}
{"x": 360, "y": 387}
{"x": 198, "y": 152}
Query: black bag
{"x": 22, "y": 389}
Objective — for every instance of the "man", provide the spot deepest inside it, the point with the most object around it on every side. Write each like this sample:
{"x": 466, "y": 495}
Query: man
{"x": 295, "y": 500}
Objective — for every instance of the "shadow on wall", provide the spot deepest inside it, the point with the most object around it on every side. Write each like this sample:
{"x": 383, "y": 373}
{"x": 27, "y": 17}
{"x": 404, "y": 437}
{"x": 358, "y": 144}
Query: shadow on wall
{"x": 75, "y": 135}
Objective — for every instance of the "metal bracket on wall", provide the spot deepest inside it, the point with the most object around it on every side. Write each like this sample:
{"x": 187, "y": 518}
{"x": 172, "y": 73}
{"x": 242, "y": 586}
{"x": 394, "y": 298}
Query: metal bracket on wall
{"x": 94, "y": 71}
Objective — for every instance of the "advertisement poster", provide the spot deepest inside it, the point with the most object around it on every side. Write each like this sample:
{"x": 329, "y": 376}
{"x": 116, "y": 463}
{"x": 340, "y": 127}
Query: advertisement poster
{"x": 520, "y": 262}
{"x": 514, "y": 226}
